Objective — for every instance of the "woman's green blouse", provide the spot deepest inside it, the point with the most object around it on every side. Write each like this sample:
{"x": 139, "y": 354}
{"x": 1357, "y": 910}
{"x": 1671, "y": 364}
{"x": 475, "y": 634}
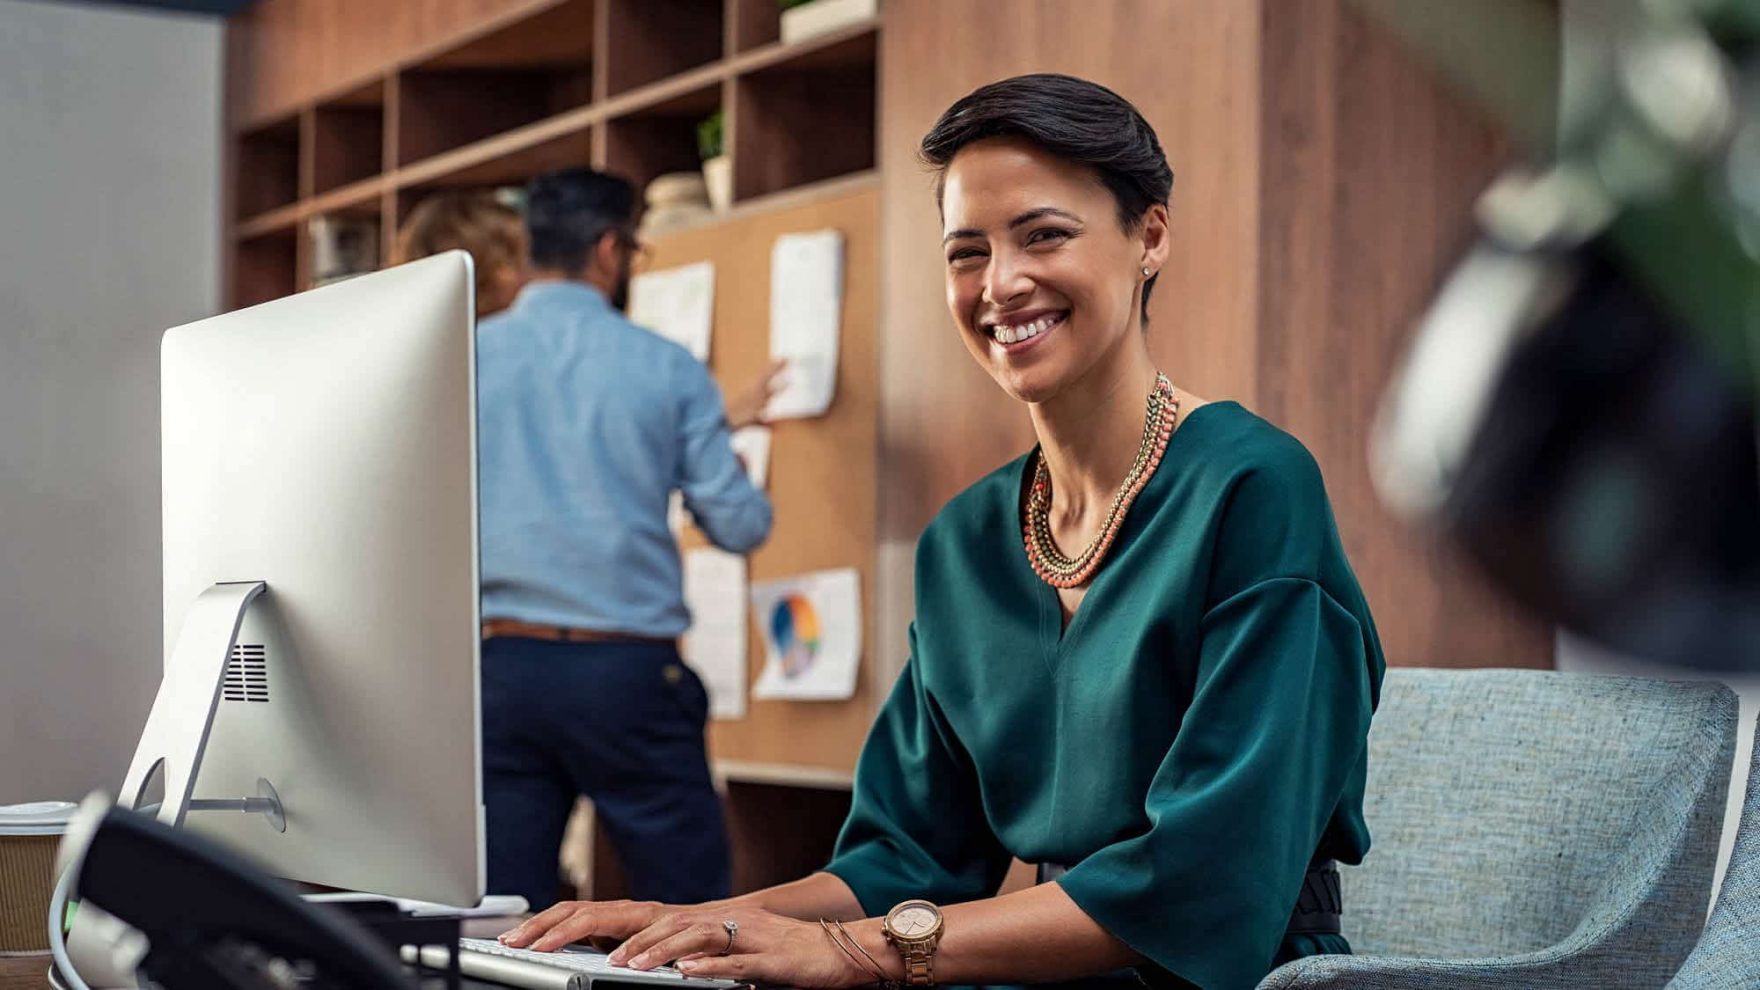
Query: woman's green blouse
{"x": 1194, "y": 738}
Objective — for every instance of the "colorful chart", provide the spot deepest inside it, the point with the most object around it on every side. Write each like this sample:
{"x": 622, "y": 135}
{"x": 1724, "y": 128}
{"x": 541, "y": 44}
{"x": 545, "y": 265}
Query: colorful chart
{"x": 812, "y": 631}
{"x": 794, "y": 627}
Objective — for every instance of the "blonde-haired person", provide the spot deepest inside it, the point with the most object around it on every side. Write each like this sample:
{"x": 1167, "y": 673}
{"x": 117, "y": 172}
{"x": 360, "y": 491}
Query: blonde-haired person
{"x": 476, "y": 222}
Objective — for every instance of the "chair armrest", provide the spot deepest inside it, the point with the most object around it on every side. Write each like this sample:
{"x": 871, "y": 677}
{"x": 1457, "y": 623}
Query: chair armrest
{"x": 1557, "y": 966}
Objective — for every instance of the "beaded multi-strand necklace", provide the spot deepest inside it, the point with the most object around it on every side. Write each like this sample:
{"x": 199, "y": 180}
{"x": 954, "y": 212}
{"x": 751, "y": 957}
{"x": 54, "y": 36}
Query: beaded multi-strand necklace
{"x": 1049, "y": 562}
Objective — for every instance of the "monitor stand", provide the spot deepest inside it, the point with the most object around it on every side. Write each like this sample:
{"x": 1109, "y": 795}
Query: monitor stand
{"x": 103, "y": 949}
{"x": 183, "y": 713}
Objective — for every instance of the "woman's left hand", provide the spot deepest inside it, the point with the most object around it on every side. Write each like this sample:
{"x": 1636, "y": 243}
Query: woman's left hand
{"x": 766, "y": 948}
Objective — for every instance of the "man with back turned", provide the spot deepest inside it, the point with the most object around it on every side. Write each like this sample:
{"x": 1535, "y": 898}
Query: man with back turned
{"x": 587, "y": 424}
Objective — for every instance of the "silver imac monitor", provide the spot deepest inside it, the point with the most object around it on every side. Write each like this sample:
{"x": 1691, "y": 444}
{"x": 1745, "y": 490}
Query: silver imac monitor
{"x": 321, "y": 604}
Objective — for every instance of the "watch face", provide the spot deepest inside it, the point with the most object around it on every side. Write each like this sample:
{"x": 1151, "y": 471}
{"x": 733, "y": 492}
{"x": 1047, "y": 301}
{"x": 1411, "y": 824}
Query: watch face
{"x": 914, "y": 920}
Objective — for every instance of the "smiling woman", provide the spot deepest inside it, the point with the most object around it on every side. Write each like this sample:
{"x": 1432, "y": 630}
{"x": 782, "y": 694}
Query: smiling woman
{"x": 1053, "y": 193}
{"x": 1140, "y": 658}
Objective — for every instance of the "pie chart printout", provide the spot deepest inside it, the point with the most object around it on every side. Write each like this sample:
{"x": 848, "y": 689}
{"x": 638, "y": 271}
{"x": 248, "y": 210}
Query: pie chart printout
{"x": 794, "y": 626}
{"x": 811, "y": 625}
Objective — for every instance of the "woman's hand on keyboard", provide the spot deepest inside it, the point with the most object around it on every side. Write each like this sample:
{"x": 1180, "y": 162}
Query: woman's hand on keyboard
{"x": 742, "y": 943}
{"x": 599, "y": 922}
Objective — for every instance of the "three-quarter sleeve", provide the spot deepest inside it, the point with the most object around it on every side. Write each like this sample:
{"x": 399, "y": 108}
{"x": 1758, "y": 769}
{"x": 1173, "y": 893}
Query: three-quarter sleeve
{"x": 720, "y": 496}
{"x": 916, "y": 826}
{"x": 1272, "y": 742}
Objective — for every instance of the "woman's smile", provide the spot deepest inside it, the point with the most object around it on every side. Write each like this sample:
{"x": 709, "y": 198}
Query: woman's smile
{"x": 1016, "y": 332}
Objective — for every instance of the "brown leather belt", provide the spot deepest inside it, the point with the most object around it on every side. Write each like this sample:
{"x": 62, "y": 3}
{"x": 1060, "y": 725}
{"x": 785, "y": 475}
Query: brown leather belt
{"x": 562, "y": 634}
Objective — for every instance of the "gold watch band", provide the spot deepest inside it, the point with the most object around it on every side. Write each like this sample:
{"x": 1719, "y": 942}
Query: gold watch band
{"x": 914, "y": 929}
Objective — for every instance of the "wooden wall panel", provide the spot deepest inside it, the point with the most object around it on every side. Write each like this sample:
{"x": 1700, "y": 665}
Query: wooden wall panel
{"x": 281, "y": 53}
{"x": 1369, "y": 169}
{"x": 822, "y": 471}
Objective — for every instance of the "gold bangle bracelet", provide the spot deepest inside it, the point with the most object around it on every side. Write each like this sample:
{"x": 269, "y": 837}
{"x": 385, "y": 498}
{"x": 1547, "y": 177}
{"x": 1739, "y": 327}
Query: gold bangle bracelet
{"x": 877, "y": 967}
{"x": 879, "y": 976}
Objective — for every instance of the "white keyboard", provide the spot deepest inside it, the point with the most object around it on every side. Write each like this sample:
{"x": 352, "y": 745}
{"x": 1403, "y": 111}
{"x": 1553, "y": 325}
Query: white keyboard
{"x": 569, "y": 968}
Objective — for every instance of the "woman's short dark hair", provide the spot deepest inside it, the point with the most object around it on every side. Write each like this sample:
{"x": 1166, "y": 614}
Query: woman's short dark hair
{"x": 568, "y": 212}
{"x": 1074, "y": 119}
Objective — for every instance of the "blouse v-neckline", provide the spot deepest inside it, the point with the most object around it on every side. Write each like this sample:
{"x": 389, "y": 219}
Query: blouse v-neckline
{"x": 1055, "y": 638}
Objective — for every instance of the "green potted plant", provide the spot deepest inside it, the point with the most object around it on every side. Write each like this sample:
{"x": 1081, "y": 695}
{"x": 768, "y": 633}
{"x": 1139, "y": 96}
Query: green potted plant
{"x": 717, "y": 167}
{"x": 803, "y": 19}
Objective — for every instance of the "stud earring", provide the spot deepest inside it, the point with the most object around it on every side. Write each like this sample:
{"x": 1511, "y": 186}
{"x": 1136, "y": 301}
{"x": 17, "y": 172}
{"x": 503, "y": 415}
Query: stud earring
{"x": 1145, "y": 271}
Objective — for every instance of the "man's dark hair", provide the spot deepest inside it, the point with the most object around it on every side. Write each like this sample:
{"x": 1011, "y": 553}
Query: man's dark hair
{"x": 1074, "y": 119}
{"x": 567, "y": 212}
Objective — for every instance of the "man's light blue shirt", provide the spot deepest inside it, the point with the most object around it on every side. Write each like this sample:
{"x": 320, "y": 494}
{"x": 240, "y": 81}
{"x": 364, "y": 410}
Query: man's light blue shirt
{"x": 586, "y": 425}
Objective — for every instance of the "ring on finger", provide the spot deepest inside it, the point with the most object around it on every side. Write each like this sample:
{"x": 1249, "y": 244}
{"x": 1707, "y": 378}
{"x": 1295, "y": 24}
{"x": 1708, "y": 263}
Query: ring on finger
{"x": 732, "y": 928}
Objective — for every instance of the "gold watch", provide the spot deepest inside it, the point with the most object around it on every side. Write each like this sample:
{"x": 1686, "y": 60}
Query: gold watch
{"x": 914, "y": 929}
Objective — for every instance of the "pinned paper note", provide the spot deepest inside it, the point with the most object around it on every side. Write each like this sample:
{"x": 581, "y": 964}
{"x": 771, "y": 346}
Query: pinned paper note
{"x": 812, "y": 629}
{"x": 752, "y": 444}
{"x": 678, "y": 304}
{"x": 806, "y": 309}
{"x": 715, "y": 644}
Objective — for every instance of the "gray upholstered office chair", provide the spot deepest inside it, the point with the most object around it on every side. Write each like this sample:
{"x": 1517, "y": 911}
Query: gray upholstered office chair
{"x": 1532, "y": 830}
{"x": 1728, "y": 954}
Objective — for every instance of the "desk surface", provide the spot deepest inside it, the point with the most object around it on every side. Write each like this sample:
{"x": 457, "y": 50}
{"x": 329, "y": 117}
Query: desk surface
{"x": 23, "y": 972}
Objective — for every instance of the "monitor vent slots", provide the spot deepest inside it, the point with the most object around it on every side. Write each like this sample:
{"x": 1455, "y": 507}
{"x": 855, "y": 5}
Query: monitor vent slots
{"x": 247, "y": 674}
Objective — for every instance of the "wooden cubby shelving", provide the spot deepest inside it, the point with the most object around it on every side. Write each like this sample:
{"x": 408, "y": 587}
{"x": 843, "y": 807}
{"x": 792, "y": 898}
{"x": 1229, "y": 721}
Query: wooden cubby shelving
{"x": 267, "y": 167}
{"x": 653, "y": 40}
{"x": 348, "y": 138}
{"x": 754, "y": 25}
{"x": 827, "y": 92}
{"x": 615, "y": 84}
{"x": 659, "y": 138}
{"x": 264, "y": 267}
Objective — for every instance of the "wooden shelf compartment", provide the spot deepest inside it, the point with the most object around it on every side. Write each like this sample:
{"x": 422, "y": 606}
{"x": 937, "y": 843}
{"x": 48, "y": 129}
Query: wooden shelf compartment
{"x": 526, "y": 72}
{"x": 757, "y": 25}
{"x": 508, "y": 159}
{"x": 274, "y": 221}
{"x": 650, "y": 40}
{"x": 850, "y": 45}
{"x": 660, "y": 137}
{"x": 805, "y": 114}
{"x": 345, "y": 237}
{"x": 356, "y": 196}
{"x": 265, "y": 267}
{"x": 559, "y": 37}
{"x": 787, "y": 199}
{"x": 267, "y": 168}
{"x": 753, "y": 24}
{"x": 348, "y": 138}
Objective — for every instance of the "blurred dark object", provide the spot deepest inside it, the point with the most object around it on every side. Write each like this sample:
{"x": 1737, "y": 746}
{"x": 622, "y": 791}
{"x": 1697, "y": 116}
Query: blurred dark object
{"x": 1577, "y": 408}
{"x": 212, "y": 921}
{"x": 1612, "y": 484}
{"x": 396, "y": 927}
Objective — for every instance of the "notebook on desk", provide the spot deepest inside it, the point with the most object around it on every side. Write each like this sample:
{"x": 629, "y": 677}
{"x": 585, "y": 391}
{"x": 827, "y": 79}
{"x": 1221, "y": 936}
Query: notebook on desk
{"x": 568, "y": 968}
